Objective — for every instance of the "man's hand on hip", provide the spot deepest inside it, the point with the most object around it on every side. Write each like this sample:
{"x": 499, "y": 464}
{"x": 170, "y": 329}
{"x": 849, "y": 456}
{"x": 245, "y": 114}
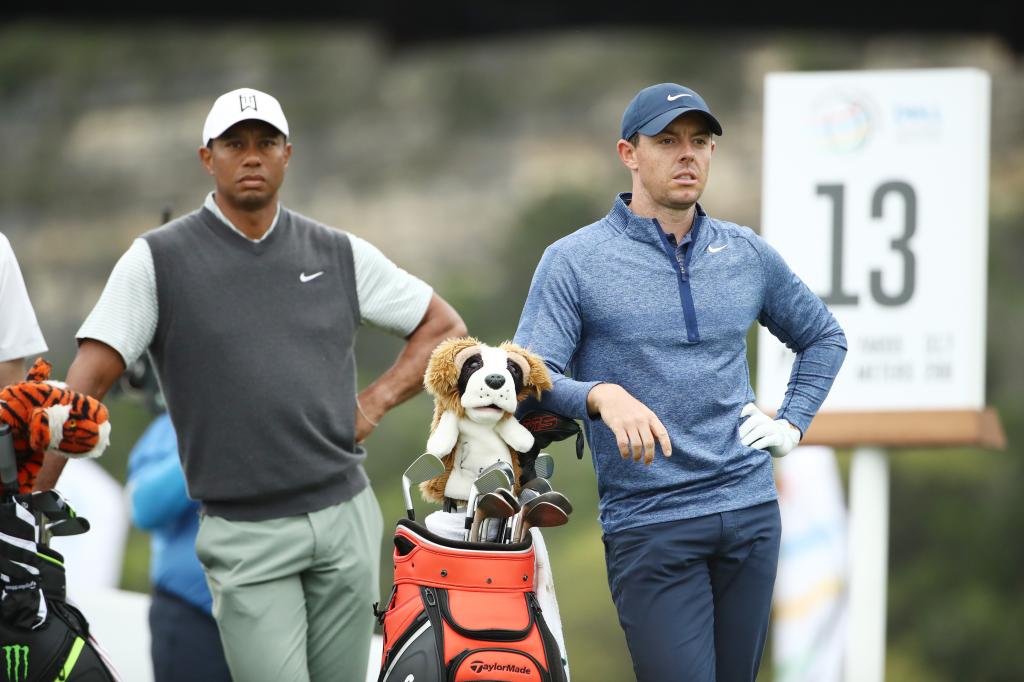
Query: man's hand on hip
{"x": 369, "y": 411}
{"x": 760, "y": 432}
{"x": 635, "y": 426}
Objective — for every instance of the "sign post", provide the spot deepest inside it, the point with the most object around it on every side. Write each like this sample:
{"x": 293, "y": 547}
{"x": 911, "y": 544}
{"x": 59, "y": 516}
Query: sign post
{"x": 876, "y": 194}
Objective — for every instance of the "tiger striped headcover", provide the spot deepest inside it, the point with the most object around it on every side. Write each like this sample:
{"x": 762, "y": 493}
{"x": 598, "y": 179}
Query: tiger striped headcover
{"x": 47, "y": 415}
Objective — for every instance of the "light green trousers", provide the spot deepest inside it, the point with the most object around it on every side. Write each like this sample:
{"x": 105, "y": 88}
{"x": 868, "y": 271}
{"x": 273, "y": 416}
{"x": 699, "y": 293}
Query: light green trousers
{"x": 293, "y": 596}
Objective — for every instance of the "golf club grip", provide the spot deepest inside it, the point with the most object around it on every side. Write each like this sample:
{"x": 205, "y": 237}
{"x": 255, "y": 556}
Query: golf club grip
{"x": 8, "y": 461}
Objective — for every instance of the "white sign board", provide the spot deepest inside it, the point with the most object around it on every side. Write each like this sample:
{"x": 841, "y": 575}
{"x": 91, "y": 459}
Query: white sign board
{"x": 876, "y": 194}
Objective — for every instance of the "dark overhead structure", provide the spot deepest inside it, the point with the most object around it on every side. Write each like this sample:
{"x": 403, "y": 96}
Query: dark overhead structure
{"x": 408, "y": 23}
{"x": 416, "y": 22}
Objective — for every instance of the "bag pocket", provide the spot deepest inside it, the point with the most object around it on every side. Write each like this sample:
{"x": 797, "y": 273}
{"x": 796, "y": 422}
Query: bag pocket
{"x": 493, "y": 616}
{"x": 404, "y": 607}
{"x": 414, "y": 654}
{"x": 496, "y": 664}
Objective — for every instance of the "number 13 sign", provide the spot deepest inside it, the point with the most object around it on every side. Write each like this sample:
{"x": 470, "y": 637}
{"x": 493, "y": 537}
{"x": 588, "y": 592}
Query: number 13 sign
{"x": 876, "y": 194}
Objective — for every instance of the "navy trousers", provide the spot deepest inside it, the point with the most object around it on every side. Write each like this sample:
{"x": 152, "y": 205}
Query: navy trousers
{"x": 694, "y": 596}
{"x": 185, "y": 642}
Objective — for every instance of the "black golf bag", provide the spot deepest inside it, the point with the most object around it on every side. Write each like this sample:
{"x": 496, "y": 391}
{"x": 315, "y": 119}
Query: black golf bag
{"x": 42, "y": 636}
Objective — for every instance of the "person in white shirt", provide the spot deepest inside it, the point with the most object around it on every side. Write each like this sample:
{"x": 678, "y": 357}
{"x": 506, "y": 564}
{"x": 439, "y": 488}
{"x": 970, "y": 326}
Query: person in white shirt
{"x": 20, "y": 337}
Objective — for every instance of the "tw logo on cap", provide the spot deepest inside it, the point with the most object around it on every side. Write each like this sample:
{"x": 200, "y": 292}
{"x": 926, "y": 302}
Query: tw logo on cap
{"x": 243, "y": 104}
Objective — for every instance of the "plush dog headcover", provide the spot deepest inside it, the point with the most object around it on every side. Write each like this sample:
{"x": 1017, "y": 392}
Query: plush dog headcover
{"x": 476, "y": 390}
{"x": 46, "y": 415}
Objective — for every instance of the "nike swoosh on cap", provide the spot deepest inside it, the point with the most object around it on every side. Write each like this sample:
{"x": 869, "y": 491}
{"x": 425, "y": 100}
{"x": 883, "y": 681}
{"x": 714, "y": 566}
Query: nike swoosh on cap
{"x": 673, "y": 98}
{"x": 303, "y": 277}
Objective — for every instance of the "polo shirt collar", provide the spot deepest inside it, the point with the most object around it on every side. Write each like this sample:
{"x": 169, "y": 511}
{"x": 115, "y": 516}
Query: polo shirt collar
{"x": 213, "y": 208}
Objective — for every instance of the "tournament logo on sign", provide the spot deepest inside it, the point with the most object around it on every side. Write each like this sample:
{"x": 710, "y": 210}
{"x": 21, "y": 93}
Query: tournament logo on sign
{"x": 844, "y": 124}
{"x": 917, "y": 121}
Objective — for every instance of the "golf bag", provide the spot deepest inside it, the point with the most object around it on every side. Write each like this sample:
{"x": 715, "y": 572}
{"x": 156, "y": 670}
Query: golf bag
{"x": 42, "y": 636}
{"x": 463, "y": 611}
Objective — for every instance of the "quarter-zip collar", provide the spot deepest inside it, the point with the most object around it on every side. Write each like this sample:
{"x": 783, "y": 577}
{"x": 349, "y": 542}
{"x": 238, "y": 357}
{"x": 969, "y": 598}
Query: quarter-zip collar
{"x": 647, "y": 229}
{"x": 679, "y": 256}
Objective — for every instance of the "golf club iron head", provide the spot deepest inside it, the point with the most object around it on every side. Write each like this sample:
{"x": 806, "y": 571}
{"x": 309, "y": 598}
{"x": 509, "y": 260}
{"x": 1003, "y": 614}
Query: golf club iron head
{"x": 556, "y": 498}
{"x": 544, "y": 465}
{"x": 505, "y": 524}
{"x": 540, "y": 514}
{"x": 528, "y": 492}
{"x": 423, "y": 468}
{"x": 490, "y": 505}
{"x": 538, "y": 485}
{"x": 538, "y": 490}
{"x": 491, "y": 479}
{"x": 503, "y": 467}
{"x": 510, "y": 498}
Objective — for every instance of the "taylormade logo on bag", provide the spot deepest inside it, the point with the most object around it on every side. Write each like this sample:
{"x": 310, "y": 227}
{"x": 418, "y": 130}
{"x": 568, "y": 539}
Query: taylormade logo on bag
{"x": 481, "y": 667}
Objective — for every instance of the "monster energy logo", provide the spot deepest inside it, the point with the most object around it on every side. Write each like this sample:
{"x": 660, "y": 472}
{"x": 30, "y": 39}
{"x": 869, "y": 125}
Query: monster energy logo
{"x": 16, "y": 656}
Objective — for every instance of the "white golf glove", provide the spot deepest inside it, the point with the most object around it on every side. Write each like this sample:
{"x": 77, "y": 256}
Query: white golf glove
{"x": 759, "y": 431}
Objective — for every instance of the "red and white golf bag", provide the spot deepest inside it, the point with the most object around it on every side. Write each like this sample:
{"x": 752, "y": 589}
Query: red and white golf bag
{"x": 463, "y": 611}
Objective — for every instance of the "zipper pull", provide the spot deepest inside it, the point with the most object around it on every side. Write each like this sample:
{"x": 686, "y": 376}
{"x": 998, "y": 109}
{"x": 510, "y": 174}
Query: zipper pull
{"x": 681, "y": 261}
{"x": 431, "y": 600}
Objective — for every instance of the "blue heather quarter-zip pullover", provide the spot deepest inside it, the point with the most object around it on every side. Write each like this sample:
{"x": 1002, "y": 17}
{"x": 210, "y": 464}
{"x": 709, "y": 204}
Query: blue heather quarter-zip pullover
{"x": 617, "y": 301}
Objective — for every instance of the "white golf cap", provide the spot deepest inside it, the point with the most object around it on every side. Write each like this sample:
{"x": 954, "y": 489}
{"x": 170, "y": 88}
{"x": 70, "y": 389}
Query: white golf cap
{"x": 243, "y": 104}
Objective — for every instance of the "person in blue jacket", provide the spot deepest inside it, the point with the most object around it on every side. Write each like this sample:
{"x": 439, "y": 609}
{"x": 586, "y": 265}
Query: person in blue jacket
{"x": 185, "y": 644}
{"x": 642, "y": 318}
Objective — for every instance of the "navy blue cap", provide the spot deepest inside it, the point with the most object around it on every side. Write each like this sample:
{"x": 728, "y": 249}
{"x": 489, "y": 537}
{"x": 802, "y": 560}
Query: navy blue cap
{"x": 655, "y": 107}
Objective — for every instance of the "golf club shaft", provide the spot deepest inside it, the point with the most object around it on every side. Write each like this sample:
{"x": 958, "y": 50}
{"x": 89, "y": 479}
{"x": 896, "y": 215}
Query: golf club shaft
{"x": 8, "y": 461}
{"x": 470, "y": 511}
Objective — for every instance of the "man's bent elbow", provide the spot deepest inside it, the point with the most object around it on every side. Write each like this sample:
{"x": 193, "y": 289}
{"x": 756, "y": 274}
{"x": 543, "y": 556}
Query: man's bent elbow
{"x": 442, "y": 321}
{"x": 457, "y": 328}
{"x": 95, "y": 368}
{"x": 837, "y": 338}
